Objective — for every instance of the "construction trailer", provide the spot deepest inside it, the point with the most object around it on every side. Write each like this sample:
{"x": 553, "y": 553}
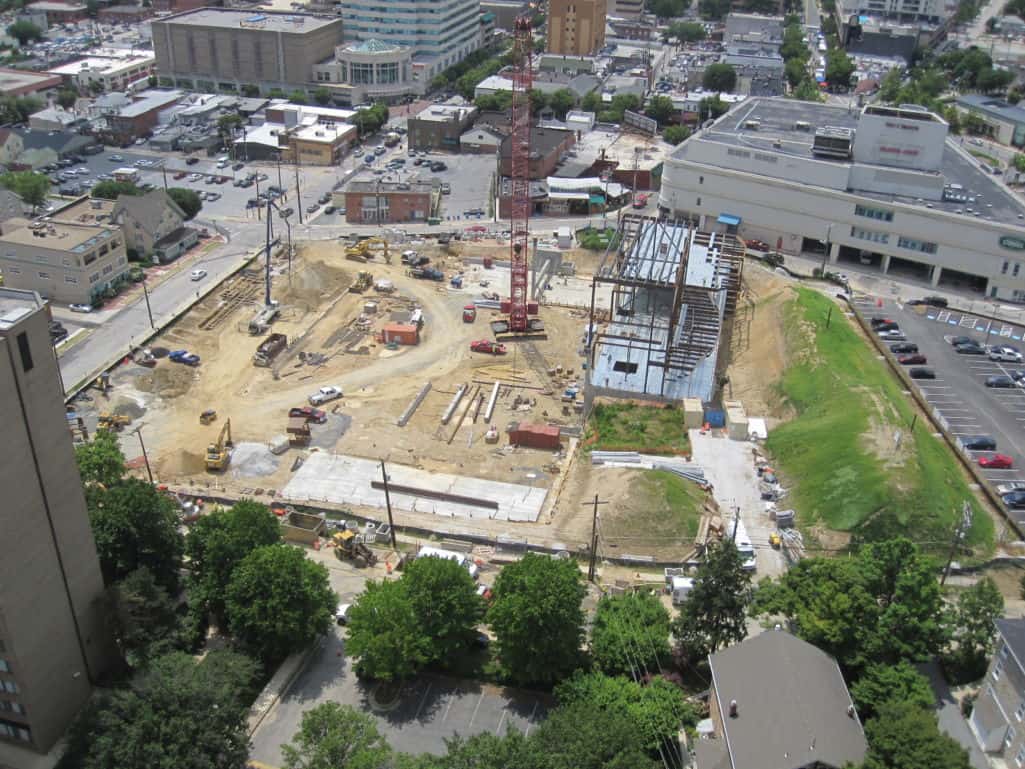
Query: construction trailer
{"x": 674, "y": 289}
{"x": 400, "y": 333}
{"x": 535, "y": 436}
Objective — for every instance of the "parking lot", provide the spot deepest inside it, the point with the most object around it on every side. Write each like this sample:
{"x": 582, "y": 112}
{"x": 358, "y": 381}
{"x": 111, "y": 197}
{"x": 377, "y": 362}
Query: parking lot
{"x": 958, "y": 395}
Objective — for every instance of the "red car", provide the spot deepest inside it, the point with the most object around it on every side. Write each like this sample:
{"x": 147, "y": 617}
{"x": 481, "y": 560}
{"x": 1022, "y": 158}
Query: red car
{"x": 309, "y": 413}
{"x": 486, "y": 345}
{"x": 914, "y": 359}
{"x": 180, "y": 175}
{"x": 997, "y": 462}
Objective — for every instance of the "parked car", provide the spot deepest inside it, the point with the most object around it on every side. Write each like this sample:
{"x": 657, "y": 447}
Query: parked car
{"x": 446, "y": 188}
{"x": 894, "y": 334}
{"x": 891, "y": 326}
{"x": 486, "y": 345}
{"x": 194, "y": 177}
{"x": 116, "y": 159}
{"x": 312, "y": 208}
{"x": 181, "y": 175}
{"x": 380, "y": 151}
{"x": 997, "y": 462}
{"x": 197, "y": 274}
{"x": 357, "y": 153}
{"x": 999, "y": 381}
{"x": 1015, "y": 500}
{"x": 972, "y": 348}
{"x": 80, "y": 307}
{"x": 223, "y": 164}
{"x": 903, "y": 348}
{"x": 932, "y": 301}
{"x": 1004, "y": 355}
{"x": 921, "y": 373}
{"x": 188, "y": 161}
{"x": 325, "y": 198}
{"x": 956, "y": 340}
{"x": 183, "y": 356}
{"x": 325, "y": 394}
{"x": 238, "y": 166}
{"x": 212, "y": 196}
{"x": 979, "y": 442}
{"x": 912, "y": 360}
{"x": 309, "y": 413}
{"x": 330, "y": 210}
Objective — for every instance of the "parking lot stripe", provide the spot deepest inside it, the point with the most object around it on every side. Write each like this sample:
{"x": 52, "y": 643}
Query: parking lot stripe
{"x": 498, "y": 729}
{"x": 423, "y": 700}
{"x": 531, "y": 720}
{"x": 448, "y": 707}
{"x": 475, "y": 710}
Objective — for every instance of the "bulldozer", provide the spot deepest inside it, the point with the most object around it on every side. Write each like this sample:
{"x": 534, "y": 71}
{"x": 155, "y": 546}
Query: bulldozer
{"x": 350, "y": 546}
{"x": 207, "y": 417}
{"x": 360, "y": 252}
{"x": 219, "y": 454}
{"x": 114, "y": 422}
{"x": 362, "y": 283}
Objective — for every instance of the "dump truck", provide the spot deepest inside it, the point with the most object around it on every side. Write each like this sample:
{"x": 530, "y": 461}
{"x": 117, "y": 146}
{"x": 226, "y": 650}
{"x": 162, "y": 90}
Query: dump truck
{"x": 349, "y": 545}
{"x": 269, "y": 349}
{"x": 363, "y": 281}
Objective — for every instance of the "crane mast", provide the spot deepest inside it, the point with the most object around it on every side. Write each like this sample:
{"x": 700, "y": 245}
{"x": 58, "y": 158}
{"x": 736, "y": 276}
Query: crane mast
{"x": 519, "y": 181}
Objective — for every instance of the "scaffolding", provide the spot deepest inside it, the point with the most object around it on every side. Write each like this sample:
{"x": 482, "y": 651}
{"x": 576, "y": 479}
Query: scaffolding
{"x": 673, "y": 288}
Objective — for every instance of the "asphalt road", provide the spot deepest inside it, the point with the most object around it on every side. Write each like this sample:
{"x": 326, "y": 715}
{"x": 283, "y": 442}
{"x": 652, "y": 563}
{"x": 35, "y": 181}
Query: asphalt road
{"x": 958, "y": 394}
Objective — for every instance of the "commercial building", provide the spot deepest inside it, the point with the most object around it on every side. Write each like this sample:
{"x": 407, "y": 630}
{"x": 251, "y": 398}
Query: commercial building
{"x": 576, "y": 26}
{"x": 883, "y": 37}
{"x": 58, "y": 12}
{"x": 53, "y": 633}
{"x": 505, "y": 11}
{"x": 929, "y": 11}
{"x": 440, "y": 126}
{"x": 140, "y": 116}
{"x": 439, "y": 34}
{"x": 753, "y": 28}
{"x": 546, "y": 148}
{"x": 64, "y": 262}
{"x": 883, "y": 187}
{"x": 1004, "y": 122}
{"x": 769, "y": 674}
{"x": 374, "y": 201}
{"x": 178, "y": 6}
{"x": 370, "y": 71}
{"x": 626, "y": 9}
{"x": 321, "y": 145}
{"x": 18, "y": 82}
{"x": 124, "y": 14}
{"x": 112, "y": 73}
{"x": 997, "y": 715}
{"x": 213, "y": 49}
{"x": 54, "y": 118}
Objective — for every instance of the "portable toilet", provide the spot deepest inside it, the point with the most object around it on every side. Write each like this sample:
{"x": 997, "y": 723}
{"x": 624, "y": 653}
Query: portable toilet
{"x": 681, "y": 587}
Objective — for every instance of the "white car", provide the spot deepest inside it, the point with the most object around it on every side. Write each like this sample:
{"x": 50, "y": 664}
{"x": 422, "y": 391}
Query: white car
{"x": 80, "y": 307}
{"x": 325, "y": 394}
{"x": 893, "y": 334}
{"x": 115, "y": 158}
{"x": 342, "y": 613}
{"x": 223, "y": 164}
{"x": 1005, "y": 355}
{"x": 197, "y": 274}
{"x": 194, "y": 177}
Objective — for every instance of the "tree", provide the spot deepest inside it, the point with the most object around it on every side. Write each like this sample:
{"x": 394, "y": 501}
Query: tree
{"x": 661, "y": 109}
{"x": 685, "y": 32}
{"x": 297, "y": 96}
{"x": 713, "y": 9}
{"x": 668, "y": 9}
{"x": 144, "y": 617}
{"x": 537, "y": 618}
{"x": 721, "y": 78}
{"x": 66, "y": 98}
{"x": 322, "y": 95}
{"x": 278, "y": 601}
{"x": 113, "y": 190}
{"x": 179, "y": 713}
{"x": 905, "y": 736}
{"x": 385, "y": 634}
{"x": 188, "y": 201}
{"x": 333, "y": 736}
{"x": 250, "y": 91}
{"x": 882, "y": 684}
{"x": 583, "y": 735}
{"x": 712, "y": 108}
{"x": 444, "y": 599}
{"x": 714, "y": 613}
{"x": 24, "y": 32}
{"x": 591, "y": 102}
{"x": 134, "y": 525}
{"x": 971, "y": 629}
{"x": 30, "y": 187}
{"x": 657, "y": 709}
{"x": 674, "y": 134}
{"x": 808, "y": 91}
{"x": 481, "y": 751}
{"x": 100, "y": 460}
{"x": 218, "y": 542}
{"x": 630, "y": 634}
{"x": 561, "y": 102}
{"x": 795, "y": 72}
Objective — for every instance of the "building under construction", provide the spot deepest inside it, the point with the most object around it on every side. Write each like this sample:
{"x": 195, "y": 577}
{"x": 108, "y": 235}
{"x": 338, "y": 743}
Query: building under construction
{"x": 673, "y": 290}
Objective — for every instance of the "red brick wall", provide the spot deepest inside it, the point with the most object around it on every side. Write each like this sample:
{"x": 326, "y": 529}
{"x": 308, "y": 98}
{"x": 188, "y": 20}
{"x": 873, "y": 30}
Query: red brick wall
{"x": 401, "y": 206}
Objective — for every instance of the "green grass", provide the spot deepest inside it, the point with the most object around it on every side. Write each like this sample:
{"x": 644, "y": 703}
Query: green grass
{"x": 841, "y": 391}
{"x": 988, "y": 158}
{"x": 633, "y": 427}
{"x": 597, "y": 239}
{"x": 661, "y": 505}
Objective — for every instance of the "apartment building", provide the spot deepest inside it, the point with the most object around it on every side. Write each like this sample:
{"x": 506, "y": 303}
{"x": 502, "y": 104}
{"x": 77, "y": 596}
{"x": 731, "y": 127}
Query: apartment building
{"x": 368, "y": 202}
{"x": 53, "y": 636}
{"x": 64, "y": 262}
{"x": 576, "y": 27}
{"x": 216, "y": 49}
{"x": 999, "y": 711}
{"x": 111, "y": 72}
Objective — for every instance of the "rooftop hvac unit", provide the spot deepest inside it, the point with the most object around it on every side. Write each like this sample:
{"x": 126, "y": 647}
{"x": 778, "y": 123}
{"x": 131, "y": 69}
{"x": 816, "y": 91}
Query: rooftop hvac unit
{"x": 833, "y": 142}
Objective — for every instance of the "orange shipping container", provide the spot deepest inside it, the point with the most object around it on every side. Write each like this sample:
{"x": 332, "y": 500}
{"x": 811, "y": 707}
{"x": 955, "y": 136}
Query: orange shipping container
{"x": 400, "y": 333}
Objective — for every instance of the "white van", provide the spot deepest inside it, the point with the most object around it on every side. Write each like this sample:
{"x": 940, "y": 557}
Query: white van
{"x": 450, "y": 555}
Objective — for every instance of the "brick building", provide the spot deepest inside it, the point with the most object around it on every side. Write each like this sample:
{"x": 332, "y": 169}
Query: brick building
{"x": 124, "y": 14}
{"x": 439, "y": 126}
{"x": 546, "y": 147}
{"x": 138, "y": 118}
{"x": 59, "y": 13}
{"x": 180, "y": 6}
{"x": 368, "y": 202}
{"x": 576, "y": 26}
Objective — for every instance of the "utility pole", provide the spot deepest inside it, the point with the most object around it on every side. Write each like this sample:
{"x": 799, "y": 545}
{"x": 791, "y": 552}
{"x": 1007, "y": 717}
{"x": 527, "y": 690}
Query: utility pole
{"x": 266, "y": 294}
{"x": 736, "y": 522}
{"x": 298, "y": 196}
{"x": 163, "y": 171}
{"x": 387, "y": 503}
{"x": 149, "y": 310}
{"x": 145, "y": 457}
{"x": 594, "y": 540}
{"x": 966, "y": 521}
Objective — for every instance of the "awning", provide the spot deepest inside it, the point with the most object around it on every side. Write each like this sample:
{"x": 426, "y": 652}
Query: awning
{"x": 597, "y": 200}
{"x": 729, "y": 220}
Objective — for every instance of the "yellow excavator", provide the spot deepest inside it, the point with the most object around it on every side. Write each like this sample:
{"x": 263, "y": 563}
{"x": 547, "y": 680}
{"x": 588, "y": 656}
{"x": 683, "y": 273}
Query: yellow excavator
{"x": 219, "y": 454}
{"x": 360, "y": 252}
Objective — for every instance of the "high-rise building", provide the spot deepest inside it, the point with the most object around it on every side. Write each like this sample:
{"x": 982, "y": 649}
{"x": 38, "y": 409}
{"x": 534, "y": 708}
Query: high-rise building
{"x": 53, "y": 639}
{"x": 439, "y": 33}
{"x": 576, "y": 27}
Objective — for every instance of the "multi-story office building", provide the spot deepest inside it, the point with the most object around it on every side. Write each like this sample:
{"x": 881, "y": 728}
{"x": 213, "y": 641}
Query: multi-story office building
{"x": 53, "y": 639}
{"x": 576, "y": 27}
{"x": 63, "y": 262}
{"x": 370, "y": 71}
{"x": 439, "y": 34}
{"x": 214, "y": 49}
{"x": 932, "y": 11}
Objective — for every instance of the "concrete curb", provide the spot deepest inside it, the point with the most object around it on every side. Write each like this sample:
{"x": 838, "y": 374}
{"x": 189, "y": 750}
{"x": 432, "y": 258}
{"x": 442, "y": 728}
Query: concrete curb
{"x": 278, "y": 685}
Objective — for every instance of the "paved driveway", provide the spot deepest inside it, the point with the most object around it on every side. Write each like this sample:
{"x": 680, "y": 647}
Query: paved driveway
{"x": 428, "y": 710}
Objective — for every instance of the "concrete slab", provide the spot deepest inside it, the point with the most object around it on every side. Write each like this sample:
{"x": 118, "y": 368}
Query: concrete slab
{"x": 341, "y": 479}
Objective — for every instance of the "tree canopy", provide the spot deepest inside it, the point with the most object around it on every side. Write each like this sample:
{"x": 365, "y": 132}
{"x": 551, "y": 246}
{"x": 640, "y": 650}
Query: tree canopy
{"x": 30, "y": 187}
{"x": 881, "y": 684}
{"x": 537, "y": 617}
{"x": 188, "y": 201}
{"x": 111, "y": 190}
{"x": 385, "y": 634}
{"x": 134, "y": 525}
{"x": 100, "y": 460}
{"x": 144, "y": 617}
{"x": 668, "y": 9}
{"x": 905, "y": 736}
{"x": 444, "y": 599}
{"x": 720, "y": 77}
{"x": 561, "y": 102}
{"x": 674, "y": 134}
{"x": 322, "y": 96}
{"x": 278, "y": 601}
{"x": 24, "y": 32}
{"x": 972, "y": 631}
{"x": 660, "y": 108}
{"x": 714, "y": 613}
{"x": 685, "y": 32}
{"x": 630, "y": 634}
{"x": 332, "y": 736}
{"x": 583, "y": 735}
{"x": 218, "y": 542}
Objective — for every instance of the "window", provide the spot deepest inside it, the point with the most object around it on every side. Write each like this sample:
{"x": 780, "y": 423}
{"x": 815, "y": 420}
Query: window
{"x": 1003, "y": 270}
{"x": 874, "y": 213}
{"x": 26, "y": 366}
{"x": 94, "y": 277}
{"x": 10, "y": 686}
{"x": 44, "y": 276}
{"x": 701, "y": 180}
{"x": 41, "y": 258}
{"x": 1011, "y": 734}
{"x": 14, "y": 270}
{"x": 70, "y": 279}
{"x": 1017, "y": 267}
{"x": 1019, "y": 757}
{"x": 998, "y": 669}
{"x": 916, "y": 245}
{"x": 362, "y": 74}
{"x": 5, "y": 668}
{"x": 108, "y": 269}
{"x": 872, "y": 235}
{"x": 1020, "y": 712}
{"x": 699, "y": 202}
{"x": 15, "y": 731}
{"x": 625, "y": 366}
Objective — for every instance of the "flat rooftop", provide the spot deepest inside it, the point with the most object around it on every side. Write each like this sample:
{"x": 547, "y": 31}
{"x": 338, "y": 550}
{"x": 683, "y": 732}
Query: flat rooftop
{"x": 101, "y": 64}
{"x": 61, "y": 236}
{"x": 778, "y": 117}
{"x": 15, "y": 79}
{"x": 47, "y": 5}
{"x": 149, "y": 102}
{"x": 15, "y": 304}
{"x": 619, "y": 147}
{"x": 229, "y": 18}
{"x": 85, "y": 210}
{"x": 318, "y": 132}
{"x": 358, "y": 185}
{"x": 443, "y": 113}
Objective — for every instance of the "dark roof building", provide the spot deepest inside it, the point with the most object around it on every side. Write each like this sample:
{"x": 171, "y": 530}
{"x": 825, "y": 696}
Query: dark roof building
{"x": 546, "y": 147}
{"x": 778, "y": 702}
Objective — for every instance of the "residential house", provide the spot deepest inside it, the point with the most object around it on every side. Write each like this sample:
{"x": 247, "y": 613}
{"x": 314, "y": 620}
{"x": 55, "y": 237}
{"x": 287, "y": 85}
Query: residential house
{"x": 11, "y": 146}
{"x": 40, "y": 148}
{"x": 54, "y": 118}
{"x": 154, "y": 226}
{"x": 777, "y": 702}
{"x": 999, "y": 710}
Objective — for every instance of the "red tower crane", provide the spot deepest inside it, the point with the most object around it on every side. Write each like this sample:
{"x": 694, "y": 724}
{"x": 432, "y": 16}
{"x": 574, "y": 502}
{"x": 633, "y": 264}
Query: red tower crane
{"x": 519, "y": 177}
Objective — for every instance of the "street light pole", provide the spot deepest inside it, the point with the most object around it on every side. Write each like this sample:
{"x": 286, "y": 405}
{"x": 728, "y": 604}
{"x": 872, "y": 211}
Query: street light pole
{"x": 149, "y": 310}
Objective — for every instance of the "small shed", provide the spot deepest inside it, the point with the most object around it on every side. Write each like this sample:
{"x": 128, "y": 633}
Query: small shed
{"x": 400, "y": 333}
{"x": 535, "y": 436}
